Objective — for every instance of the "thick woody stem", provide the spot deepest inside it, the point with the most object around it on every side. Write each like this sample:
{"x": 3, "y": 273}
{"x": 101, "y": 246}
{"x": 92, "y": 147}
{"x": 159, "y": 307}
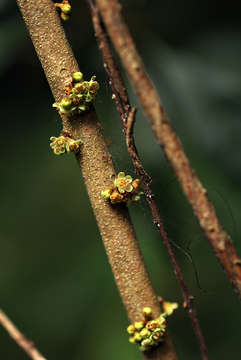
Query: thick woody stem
{"x": 127, "y": 116}
{"x": 19, "y": 338}
{"x": 166, "y": 137}
{"x": 97, "y": 169}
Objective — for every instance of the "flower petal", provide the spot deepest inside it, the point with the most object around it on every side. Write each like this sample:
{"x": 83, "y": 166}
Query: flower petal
{"x": 121, "y": 175}
{"x": 121, "y": 190}
{"x": 129, "y": 188}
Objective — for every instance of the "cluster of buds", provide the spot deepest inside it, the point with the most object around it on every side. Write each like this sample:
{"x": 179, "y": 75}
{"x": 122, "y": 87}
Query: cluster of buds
{"x": 79, "y": 95}
{"x": 65, "y": 9}
{"x": 124, "y": 189}
{"x": 64, "y": 144}
{"x": 149, "y": 333}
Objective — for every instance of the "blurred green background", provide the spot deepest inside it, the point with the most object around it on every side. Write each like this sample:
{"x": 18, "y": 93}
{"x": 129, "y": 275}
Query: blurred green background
{"x": 55, "y": 280}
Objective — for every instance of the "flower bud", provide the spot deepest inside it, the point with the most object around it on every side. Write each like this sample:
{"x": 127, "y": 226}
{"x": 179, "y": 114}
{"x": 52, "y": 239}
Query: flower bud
{"x": 139, "y": 325}
{"x": 77, "y": 76}
{"x": 131, "y": 329}
{"x": 106, "y": 195}
{"x": 66, "y": 103}
{"x": 66, "y": 9}
{"x": 147, "y": 311}
{"x": 137, "y": 336}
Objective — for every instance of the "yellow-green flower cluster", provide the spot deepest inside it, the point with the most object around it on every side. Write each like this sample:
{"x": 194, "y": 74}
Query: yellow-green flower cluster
{"x": 124, "y": 189}
{"x": 79, "y": 95}
{"x": 65, "y": 9}
{"x": 148, "y": 333}
{"x": 64, "y": 144}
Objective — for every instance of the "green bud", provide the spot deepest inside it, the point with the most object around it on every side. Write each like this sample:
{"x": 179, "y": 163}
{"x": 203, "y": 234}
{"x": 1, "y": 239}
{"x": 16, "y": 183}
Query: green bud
{"x": 106, "y": 195}
{"x": 131, "y": 328}
{"x": 132, "y": 340}
{"x": 143, "y": 348}
{"x": 77, "y": 76}
{"x": 145, "y": 333}
{"x": 139, "y": 325}
{"x": 137, "y": 336}
{"x": 146, "y": 310}
{"x": 66, "y": 103}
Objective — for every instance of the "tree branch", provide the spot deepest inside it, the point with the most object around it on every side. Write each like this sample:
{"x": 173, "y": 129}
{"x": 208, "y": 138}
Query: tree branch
{"x": 166, "y": 137}
{"x": 127, "y": 116}
{"x": 19, "y": 338}
{"x": 97, "y": 169}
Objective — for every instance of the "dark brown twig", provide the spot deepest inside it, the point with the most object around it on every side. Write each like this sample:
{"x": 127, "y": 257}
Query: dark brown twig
{"x": 127, "y": 116}
{"x": 19, "y": 338}
{"x": 167, "y": 138}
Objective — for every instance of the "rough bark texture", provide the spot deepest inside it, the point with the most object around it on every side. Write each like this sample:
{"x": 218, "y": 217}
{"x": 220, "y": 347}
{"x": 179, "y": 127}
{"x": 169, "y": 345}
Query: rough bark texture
{"x": 166, "y": 137}
{"x": 95, "y": 162}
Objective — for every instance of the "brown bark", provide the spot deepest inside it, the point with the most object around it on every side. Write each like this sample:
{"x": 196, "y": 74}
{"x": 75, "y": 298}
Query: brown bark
{"x": 95, "y": 162}
{"x": 166, "y": 137}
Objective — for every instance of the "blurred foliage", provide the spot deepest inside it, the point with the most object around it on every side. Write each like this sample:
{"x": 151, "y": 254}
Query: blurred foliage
{"x": 55, "y": 280}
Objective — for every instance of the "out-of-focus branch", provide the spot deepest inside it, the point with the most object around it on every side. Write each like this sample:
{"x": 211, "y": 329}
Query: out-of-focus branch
{"x": 97, "y": 169}
{"x": 166, "y": 137}
{"x": 19, "y": 338}
{"x": 127, "y": 116}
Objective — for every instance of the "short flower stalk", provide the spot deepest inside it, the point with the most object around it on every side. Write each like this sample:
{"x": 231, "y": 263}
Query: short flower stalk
{"x": 125, "y": 189}
{"x": 64, "y": 144}
{"x": 79, "y": 95}
{"x": 149, "y": 333}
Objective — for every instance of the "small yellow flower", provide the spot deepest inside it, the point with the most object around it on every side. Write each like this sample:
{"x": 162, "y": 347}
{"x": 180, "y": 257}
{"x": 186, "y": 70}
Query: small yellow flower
{"x": 63, "y": 144}
{"x": 123, "y": 183}
{"x": 149, "y": 334}
{"x": 58, "y": 144}
{"x": 79, "y": 94}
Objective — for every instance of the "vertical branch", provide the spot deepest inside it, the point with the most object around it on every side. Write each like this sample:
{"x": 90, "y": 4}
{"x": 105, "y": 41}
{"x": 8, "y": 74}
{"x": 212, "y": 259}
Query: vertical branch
{"x": 97, "y": 169}
{"x": 127, "y": 116}
{"x": 167, "y": 138}
{"x": 19, "y": 338}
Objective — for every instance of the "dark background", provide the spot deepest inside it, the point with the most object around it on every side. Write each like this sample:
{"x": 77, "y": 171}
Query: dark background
{"x": 55, "y": 280}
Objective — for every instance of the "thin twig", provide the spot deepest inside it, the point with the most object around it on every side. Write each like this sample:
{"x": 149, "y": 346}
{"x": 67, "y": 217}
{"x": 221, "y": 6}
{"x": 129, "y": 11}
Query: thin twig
{"x": 95, "y": 162}
{"x": 19, "y": 338}
{"x": 167, "y": 138}
{"x": 128, "y": 119}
